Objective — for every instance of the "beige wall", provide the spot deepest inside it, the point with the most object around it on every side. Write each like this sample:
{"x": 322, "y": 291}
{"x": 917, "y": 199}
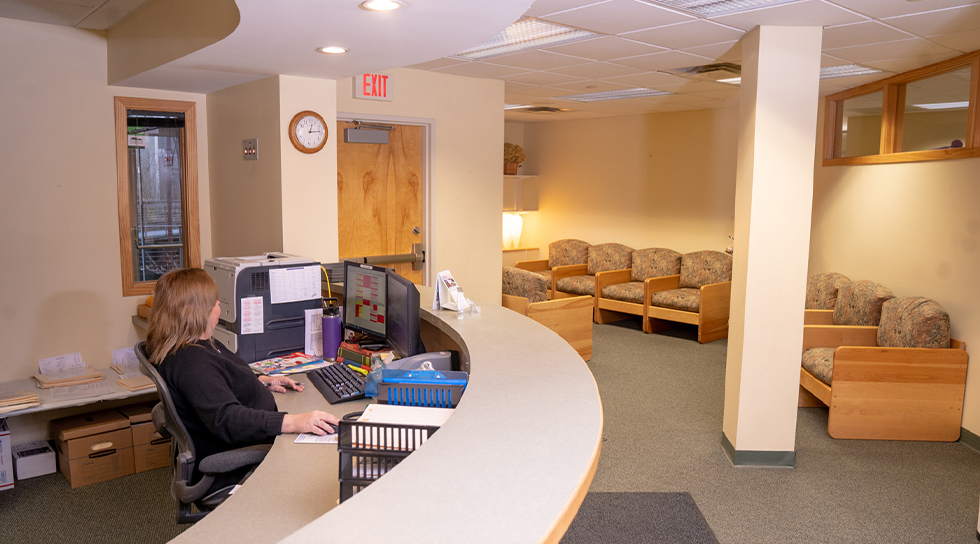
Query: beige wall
{"x": 60, "y": 271}
{"x": 655, "y": 180}
{"x": 465, "y": 168}
{"x": 914, "y": 228}
{"x": 246, "y": 196}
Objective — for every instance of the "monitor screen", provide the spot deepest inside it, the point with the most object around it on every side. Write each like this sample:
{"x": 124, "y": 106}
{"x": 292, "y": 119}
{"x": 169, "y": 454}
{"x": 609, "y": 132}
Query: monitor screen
{"x": 365, "y": 298}
{"x": 403, "y": 316}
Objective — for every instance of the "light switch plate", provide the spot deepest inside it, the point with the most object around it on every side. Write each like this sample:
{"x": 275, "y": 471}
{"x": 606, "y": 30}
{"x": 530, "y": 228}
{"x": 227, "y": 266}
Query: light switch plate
{"x": 250, "y": 149}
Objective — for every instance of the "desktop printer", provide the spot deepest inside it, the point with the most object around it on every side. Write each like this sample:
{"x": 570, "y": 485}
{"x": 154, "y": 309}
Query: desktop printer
{"x": 263, "y": 301}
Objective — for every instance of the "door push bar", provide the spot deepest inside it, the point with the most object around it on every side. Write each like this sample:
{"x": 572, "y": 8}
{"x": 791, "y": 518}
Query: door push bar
{"x": 416, "y": 257}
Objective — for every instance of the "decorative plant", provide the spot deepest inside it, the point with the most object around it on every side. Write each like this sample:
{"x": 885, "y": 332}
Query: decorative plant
{"x": 514, "y": 153}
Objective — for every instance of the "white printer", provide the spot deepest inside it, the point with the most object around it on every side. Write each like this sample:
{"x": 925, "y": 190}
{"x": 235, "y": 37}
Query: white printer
{"x": 263, "y": 301}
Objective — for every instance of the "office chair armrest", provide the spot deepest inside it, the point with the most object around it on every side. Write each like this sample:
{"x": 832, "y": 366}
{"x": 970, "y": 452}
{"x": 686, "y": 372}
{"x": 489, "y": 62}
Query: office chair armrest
{"x": 228, "y": 461}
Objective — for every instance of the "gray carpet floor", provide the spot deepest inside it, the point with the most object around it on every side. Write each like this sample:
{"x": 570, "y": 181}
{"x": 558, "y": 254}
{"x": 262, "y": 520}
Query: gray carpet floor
{"x": 628, "y": 518}
{"x": 662, "y": 399}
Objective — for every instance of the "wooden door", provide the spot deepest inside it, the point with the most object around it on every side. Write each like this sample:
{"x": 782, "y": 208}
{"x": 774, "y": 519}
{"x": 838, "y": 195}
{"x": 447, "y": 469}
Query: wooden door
{"x": 380, "y": 196}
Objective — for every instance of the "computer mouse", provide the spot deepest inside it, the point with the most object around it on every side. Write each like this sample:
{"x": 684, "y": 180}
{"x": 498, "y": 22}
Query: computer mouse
{"x": 335, "y": 428}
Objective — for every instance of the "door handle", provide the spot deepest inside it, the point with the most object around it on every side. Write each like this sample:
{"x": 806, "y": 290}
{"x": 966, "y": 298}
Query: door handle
{"x": 416, "y": 257}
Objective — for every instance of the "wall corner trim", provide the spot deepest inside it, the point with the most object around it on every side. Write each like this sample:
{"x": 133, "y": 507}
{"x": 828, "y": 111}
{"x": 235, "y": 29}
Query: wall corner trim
{"x": 970, "y": 439}
{"x": 759, "y": 459}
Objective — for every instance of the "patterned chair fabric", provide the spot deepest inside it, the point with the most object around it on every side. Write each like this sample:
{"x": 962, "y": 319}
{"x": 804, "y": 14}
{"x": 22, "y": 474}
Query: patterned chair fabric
{"x": 913, "y": 322}
{"x": 702, "y": 268}
{"x": 654, "y": 262}
{"x": 611, "y": 256}
{"x": 688, "y": 300}
{"x": 626, "y": 292}
{"x": 568, "y": 251}
{"x": 522, "y": 283}
{"x": 546, "y": 274}
{"x": 821, "y": 290}
{"x": 577, "y": 285}
{"x": 859, "y": 303}
{"x": 820, "y": 363}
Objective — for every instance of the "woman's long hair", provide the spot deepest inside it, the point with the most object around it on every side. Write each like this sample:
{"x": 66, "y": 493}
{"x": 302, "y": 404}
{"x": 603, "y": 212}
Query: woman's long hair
{"x": 182, "y": 302}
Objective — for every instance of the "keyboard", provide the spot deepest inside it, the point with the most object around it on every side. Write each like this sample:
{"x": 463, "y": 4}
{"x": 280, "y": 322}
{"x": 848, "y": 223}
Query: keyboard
{"x": 338, "y": 382}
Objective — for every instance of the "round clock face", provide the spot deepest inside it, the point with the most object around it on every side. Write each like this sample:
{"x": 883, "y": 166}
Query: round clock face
{"x": 310, "y": 132}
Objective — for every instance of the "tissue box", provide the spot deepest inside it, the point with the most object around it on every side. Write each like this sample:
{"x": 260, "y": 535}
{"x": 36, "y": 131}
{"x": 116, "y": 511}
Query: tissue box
{"x": 33, "y": 459}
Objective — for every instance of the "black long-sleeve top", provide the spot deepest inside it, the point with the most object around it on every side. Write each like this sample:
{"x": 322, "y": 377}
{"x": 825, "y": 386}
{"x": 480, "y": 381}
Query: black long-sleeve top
{"x": 219, "y": 399}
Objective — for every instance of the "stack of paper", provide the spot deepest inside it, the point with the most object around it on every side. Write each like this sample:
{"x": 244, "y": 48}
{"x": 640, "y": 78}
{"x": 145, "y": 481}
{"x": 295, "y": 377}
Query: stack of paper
{"x": 65, "y": 370}
{"x": 124, "y": 361}
{"x": 135, "y": 383}
{"x": 11, "y": 401}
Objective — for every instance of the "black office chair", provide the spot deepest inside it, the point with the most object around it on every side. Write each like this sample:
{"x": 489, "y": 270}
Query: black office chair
{"x": 183, "y": 458}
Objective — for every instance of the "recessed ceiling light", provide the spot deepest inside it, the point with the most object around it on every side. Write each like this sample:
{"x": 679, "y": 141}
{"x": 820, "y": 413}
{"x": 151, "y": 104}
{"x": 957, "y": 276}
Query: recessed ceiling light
{"x": 380, "y": 5}
{"x": 613, "y": 95}
{"x": 715, "y": 7}
{"x": 846, "y": 70}
{"x": 525, "y": 34}
{"x": 944, "y": 106}
{"x": 333, "y": 50}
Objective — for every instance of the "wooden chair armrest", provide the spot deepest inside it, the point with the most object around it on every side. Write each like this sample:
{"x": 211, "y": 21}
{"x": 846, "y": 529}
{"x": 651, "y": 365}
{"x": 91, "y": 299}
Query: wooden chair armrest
{"x": 518, "y": 304}
{"x": 569, "y": 270}
{"x": 818, "y": 317}
{"x": 663, "y": 283}
{"x": 716, "y": 300}
{"x": 559, "y": 303}
{"x": 957, "y": 344}
{"x": 610, "y": 277}
{"x": 833, "y": 336}
{"x": 874, "y": 354}
{"x": 893, "y": 366}
{"x": 539, "y": 265}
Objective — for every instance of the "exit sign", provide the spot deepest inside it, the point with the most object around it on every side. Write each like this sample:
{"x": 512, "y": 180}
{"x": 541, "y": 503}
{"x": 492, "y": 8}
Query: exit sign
{"x": 373, "y": 87}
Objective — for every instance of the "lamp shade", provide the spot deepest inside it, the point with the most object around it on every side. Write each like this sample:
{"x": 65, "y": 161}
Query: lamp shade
{"x": 513, "y": 224}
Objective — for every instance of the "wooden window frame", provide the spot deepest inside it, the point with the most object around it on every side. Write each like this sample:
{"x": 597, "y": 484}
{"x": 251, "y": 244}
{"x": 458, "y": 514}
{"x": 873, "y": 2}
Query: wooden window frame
{"x": 892, "y": 117}
{"x": 191, "y": 218}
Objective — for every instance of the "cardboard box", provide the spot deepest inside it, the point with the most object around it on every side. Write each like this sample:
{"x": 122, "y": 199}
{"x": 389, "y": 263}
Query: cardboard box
{"x": 33, "y": 459}
{"x": 6, "y": 462}
{"x": 94, "y": 447}
{"x": 150, "y": 449}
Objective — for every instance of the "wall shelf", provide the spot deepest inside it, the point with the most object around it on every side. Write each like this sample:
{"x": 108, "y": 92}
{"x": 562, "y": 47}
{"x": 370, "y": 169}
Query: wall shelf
{"x": 520, "y": 194}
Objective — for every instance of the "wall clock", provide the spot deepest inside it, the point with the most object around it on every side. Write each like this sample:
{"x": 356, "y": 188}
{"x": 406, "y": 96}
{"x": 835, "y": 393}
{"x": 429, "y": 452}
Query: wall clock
{"x": 308, "y": 132}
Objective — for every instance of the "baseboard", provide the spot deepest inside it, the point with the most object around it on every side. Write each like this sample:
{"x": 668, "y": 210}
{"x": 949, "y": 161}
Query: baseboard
{"x": 761, "y": 459}
{"x": 970, "y": 439}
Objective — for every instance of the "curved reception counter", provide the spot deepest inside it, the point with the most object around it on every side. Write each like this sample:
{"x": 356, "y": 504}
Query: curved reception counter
{"x": 512, "y": 464}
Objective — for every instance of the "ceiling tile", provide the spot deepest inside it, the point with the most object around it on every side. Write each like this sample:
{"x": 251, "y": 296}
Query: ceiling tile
{"x": 618, "y": 16}
{"x": 879, "y": 9}
{"x": 109, "y": 13}
{"x": 591, "y": 86}
{"x": 806, "y": 13}
{"x": 596, "y": 70}
{"x": 860, "y": 34}
{"x": 537, "y": 60}
{"x": 605, "y": 48}
{"x": 665, "y": 61}
{"x": 721, "y": 52}
{"x": 863, "y": 54}
{"x": 855, "y": 81}
{"x": 512, "y": 86}
{"x": 481, "y": 69}
{"x": 944, "y": 21}
{"x": 911, "y": 63}
{"x": 828, "y": 60}
{"x": 536, "y": 91}
{"x": 55, "y": 13}
{"x": 544, "y": 7}
{"x": 439, "y": 63}
{"x": 686, "y": 35}
{"x": 651, "y": 80}
{"x": 542, "y": 78}
{"x": 689, "y": 86}
{"x": 734, "y": 92}
{"x": 966, "y": 41}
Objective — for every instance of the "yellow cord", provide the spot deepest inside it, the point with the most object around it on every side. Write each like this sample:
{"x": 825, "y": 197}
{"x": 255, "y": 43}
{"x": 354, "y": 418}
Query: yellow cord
{"x": 325, "y": 275}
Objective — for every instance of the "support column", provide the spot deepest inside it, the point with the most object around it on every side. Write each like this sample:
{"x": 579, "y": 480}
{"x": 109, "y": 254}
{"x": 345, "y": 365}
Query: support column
{"x": 773, "y": 203}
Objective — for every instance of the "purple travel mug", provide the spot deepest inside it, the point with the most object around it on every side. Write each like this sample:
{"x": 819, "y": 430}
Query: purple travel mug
{"x": 331, "y": 328}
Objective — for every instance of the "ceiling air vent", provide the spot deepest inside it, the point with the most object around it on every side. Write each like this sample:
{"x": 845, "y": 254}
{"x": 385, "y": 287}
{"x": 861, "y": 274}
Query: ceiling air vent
{"x": 545, "y": 109}
{"x": 711, "y": 72}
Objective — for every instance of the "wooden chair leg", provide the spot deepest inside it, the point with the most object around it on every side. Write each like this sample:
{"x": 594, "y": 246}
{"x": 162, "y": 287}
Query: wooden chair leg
{"x": 652, "y": 325}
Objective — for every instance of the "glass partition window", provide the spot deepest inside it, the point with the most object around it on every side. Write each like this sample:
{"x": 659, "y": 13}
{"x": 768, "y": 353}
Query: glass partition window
{"x": 860, "y": 122}
{"x": 937, "y": 111}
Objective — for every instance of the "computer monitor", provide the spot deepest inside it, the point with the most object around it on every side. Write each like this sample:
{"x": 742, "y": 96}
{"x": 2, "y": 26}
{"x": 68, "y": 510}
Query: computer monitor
{"x": 404, "y": 319}
{"x": 365, "y": 299}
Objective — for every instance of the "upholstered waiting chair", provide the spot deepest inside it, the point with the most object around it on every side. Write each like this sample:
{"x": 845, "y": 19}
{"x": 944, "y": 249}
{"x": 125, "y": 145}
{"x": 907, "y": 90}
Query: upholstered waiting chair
{"x": 183, "y": 458}
{"x": 560, "y": 253}
{"x": 700, "y": 295}
{"x": 580, "y": 280}
{"x": 856, "y": 303}
{"x": 901, "y": 380}
{"x": 571, "y": 318}
{"x": 622, "y": 292}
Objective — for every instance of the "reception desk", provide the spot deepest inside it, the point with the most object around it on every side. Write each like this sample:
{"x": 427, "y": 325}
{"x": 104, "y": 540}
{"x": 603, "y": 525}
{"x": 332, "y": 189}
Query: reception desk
{"x": 512, "y": 464}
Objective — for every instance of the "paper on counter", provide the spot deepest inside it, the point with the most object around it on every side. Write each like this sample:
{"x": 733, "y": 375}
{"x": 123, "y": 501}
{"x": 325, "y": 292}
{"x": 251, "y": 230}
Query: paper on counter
{"x": 314, "y": 332}
{"x": 294, "y": 284}
{"x": 125, "y": 358}
{"x": 73, "y": 392}
{"x": 61, "y": 362}
{"x": 310, "y": 438}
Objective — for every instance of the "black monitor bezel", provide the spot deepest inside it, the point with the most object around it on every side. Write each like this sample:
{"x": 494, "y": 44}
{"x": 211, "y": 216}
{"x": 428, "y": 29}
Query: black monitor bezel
{"x": 414, "y": 317}
{"x": 347, "y": 300}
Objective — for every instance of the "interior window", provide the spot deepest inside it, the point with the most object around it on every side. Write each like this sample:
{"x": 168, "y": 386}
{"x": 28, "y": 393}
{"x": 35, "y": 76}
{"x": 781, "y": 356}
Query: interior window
{"x": 937, "y": 111}
{"x": 860, "y": 125}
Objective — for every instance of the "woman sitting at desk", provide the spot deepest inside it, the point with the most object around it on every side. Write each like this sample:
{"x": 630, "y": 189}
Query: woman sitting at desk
{"x": 218, "y": 398}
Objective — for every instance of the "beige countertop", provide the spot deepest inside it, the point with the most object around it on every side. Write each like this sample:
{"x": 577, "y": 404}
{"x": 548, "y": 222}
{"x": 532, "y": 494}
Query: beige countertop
{"x": 511, "y": 465}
